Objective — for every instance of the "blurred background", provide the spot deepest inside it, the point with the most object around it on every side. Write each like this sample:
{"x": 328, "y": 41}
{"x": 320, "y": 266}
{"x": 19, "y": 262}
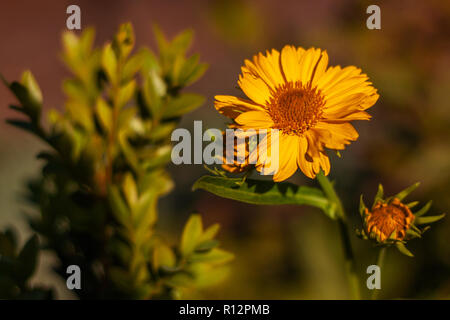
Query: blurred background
{"x": 281, "y": 252}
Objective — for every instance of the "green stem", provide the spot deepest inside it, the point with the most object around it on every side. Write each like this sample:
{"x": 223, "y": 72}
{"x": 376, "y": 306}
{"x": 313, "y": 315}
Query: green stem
{"x": 380, "y": 263}
{"x": 350, "y": 264}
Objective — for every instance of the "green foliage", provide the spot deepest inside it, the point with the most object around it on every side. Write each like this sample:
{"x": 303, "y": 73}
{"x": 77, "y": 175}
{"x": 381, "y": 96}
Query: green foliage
{"x": 264, "y": 192}
{"x": 17, "y": 267}
{"x": 105, "y": 170}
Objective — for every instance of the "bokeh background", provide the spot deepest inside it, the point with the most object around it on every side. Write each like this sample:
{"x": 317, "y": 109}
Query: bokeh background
{"x": 281, "y": 252}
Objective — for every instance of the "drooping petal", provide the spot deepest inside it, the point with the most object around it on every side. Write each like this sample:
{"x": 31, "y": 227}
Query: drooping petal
{"x": 336, "y": 135}
{"x": 232, "y": 107}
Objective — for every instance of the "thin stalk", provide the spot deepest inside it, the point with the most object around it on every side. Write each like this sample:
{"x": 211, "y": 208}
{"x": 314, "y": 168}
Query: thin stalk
{"x": 350, "y": 264}
{"x": 380, "y": 263}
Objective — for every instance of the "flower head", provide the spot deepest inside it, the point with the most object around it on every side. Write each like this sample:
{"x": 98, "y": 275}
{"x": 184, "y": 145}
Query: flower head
{"x": 391, "y": 222}
{"x": 310, "y": 103}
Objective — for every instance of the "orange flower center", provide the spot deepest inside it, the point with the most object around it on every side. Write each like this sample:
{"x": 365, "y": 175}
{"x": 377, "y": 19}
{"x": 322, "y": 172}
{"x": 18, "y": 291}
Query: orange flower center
{"x": 385, "y": 219}
{"x": 295, "y": 108}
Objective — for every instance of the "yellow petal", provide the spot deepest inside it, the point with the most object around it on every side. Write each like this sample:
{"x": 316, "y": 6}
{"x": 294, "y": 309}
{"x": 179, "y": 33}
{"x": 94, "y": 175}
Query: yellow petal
{"x": 267, "y": 68}
{"x": 255, "y": 120}
{"x": 314, "y": 143}
{"x": 289, "y": 152}
{"x": 254, "y": 87}
{"x": 304, "y": 165}
{"x": 325, "y": 163}
{"x": 290, "y": 63}
{"x": 309, "y": 62}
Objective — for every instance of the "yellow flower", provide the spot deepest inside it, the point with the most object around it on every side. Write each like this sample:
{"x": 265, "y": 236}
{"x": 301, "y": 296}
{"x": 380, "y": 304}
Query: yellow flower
{"x": 310, "y": 104}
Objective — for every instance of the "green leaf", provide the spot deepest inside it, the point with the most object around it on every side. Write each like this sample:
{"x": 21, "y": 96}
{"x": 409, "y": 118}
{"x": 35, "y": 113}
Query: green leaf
{"x": 109, "y": 63}
{"x": 191, "y": 70}
{"x": 160, "y": 38}
{"x": 27, "y": 258}
{"x": 27, "y": 126}
{"x": 191, "y": 234}
{"x": 210, "y": 233}
{"x": 424, "y": 209}
{"x": 403, "y": 194}
{"x": 263, "y": 192}
{"x": 401, "y": 247}
{"x": 207, "y": 245}
{"x": 126, "y": 93}
{"x": 379, "y": 196}
{"x": 429, "y": 219}
{"x": 413, "y": 233}
{"x": 7, "y": 243}
{"x": 182, "y": 42}
{"x": 118, "y": 206}
{"x": 29, "y": 103}
{"x": 362, "y": 206}
{"x": 412, "y": 204}
{"x": 134, "y": 64}
{"x": 153, "y": 89}
{"x": 124, "y": 40}
{"x": 163, "y": 256}
{"x": 104, "y": 114}
{"x": 183, "y": 104}
{"x": 129, "y": 189}
{"x": 215, "y": 256}
{"x": 34, "y": 92}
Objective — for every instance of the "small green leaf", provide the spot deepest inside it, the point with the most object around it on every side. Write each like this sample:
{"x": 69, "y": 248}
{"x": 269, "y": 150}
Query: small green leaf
{"x": 413, "y": 233}
{"x": 191, "y": 70}
{"x": 104, "y": 114}
{"x": 379, "y": 196}
{"x": 206, "y": 245}
{"x": 124, "y": 40}
{"x": 30, "y": 104}
{"x": 401, "y": 247}
{"x": 424, "y": 209}
{"x": 34, "y": 92}
{"x": 429, "y": 219}
{"x": 27, "y": 126}
{"x": 263, "y": 192}
{"x": 126, "y": 93}
{"x": 210, "y": 232}
{"x": 216, "y": 256}
{"x": 27, "y": 258}
{"x": 160, "y": 38}
{"x": 129, "y": 189}
{"x": 109, "y": 63}
{"x": 362, "y": 206}
{"x": 163, "y": 256}
{"x": 154, "y": 88}
{"x": 412, "y": 204}
{"x": 182, "y": 42}
{"x": 191, "y": 234}
{"x": 118, "y": 206}
{"x": 182, "y": 104}
{"x": 403, "y": 194}
{"x": 134, "y": 64}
